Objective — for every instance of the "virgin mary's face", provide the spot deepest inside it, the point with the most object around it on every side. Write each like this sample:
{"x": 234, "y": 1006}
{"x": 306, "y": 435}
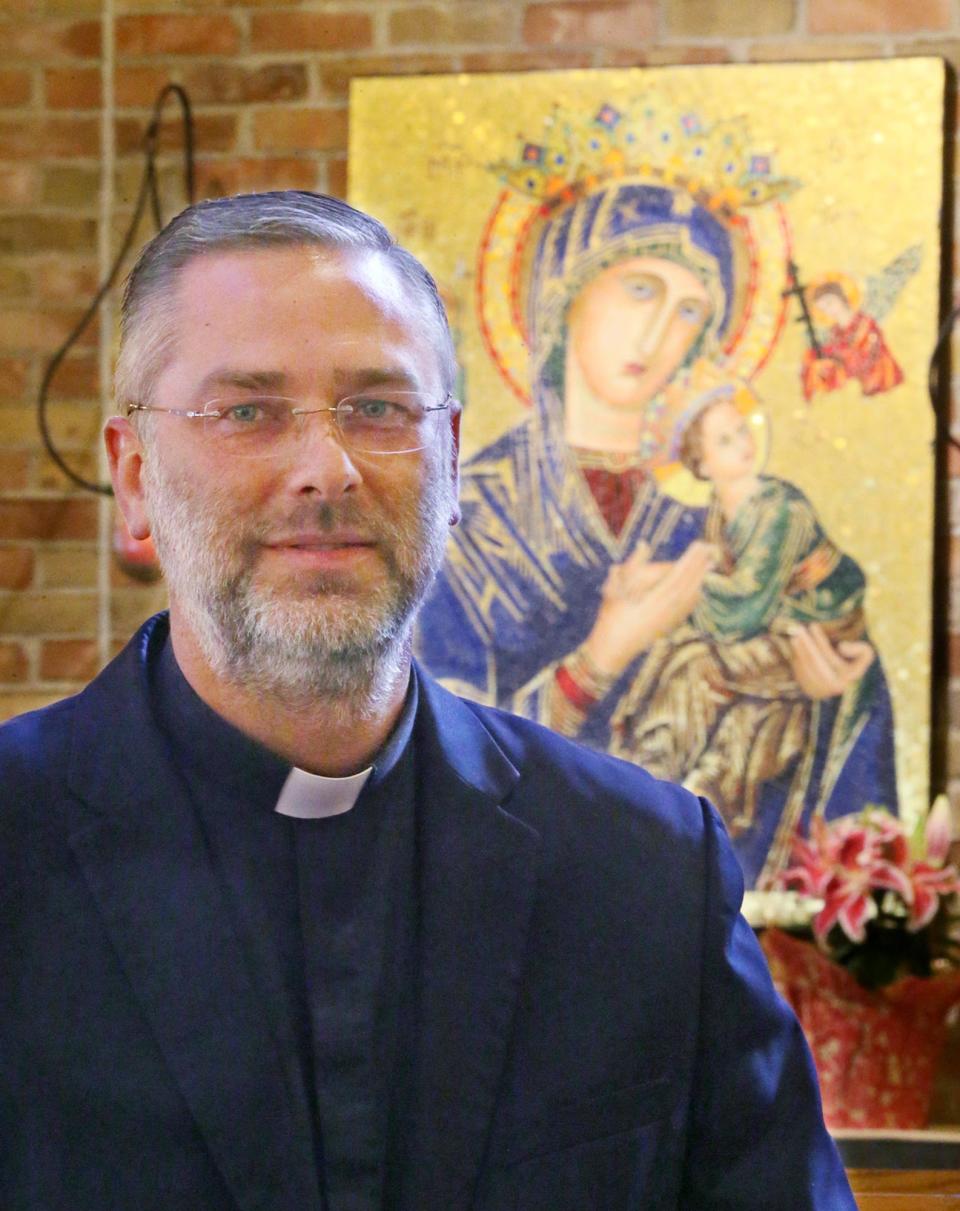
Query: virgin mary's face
{"x": 633, "y": 325}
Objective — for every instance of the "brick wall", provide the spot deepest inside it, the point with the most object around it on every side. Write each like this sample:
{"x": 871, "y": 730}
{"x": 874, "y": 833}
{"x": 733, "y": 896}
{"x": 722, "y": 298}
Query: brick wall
{"x": 269, "y": 80}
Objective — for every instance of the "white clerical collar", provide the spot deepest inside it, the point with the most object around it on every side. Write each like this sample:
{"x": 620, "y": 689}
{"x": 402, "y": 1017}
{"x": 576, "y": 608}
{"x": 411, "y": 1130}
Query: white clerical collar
{"x": 307, "y": 796}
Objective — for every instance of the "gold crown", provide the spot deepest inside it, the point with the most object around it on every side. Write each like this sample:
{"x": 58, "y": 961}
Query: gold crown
{"x": 714, "y": 164}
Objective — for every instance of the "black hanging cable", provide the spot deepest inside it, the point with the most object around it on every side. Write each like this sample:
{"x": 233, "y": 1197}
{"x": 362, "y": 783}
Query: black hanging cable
{"x": 148, "y": 192}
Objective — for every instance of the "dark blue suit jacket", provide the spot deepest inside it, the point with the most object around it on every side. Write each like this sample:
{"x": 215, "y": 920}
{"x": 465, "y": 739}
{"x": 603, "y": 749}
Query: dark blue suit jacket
{"x": 596, "y": 1027}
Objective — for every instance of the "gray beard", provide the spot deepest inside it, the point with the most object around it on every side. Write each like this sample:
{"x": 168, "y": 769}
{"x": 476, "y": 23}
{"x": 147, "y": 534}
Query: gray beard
{"x": 296, "y": 648}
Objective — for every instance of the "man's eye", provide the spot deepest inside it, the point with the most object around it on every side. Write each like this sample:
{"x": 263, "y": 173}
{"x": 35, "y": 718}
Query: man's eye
{"x": 372, "y": 409}
{"x": 377, "y": 410}
{"x": 257, "y": 412}
{"x": 245, "y": 414}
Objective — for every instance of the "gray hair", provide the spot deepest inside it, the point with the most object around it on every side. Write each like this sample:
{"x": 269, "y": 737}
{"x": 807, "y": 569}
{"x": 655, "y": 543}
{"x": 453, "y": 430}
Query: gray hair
{"x": 284, "y": 218}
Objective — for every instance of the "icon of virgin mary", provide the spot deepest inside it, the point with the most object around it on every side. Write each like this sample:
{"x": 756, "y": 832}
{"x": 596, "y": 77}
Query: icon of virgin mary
{"x": 641, "y": 263}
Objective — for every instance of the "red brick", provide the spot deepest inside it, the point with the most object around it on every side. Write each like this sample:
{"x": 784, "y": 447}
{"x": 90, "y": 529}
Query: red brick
{"x": 74, "y": 423}
{"x": 41, "y": 330}
{"x": 337, "y": 176}
{"x": 13, "y": 662}
{"x": 129, "y": 606}
{"x": 14, "y": 470}
{"x": 40, "y": 519}
{"x": 310, "y": 31}
{"x": 13, "y": 376}
{"x": 877, "y": 16}
{"x": 33, "y": 137}
{"x": 72, "y": 87}
{"x": 666, "y": 55}
{"x": 69, "y": 660}
{"x": 336, "y": 74}
{"x": 47, "y": 40}
{"x": 220, "y": 83}
{"x": 15, "y": 86}
{"x": 177, "y": 34}
{"x": 48, "y": 476}
{"x": 129, "y": 177}
{"x": 56, "y": 613}
{"x": 16, "y": 281}
{"x": 77, "y": 377}
{"x": 31, "y": 233}
{"x": 19, "y": 184}
{"x": 14, "y": 704}
{"x": 527, "y": 60}
{"x": 212, "y": 132}
{"x": 444, "y": 24}
{"x": 727, "y": 19}
{"x": 16, "y": 567}
{"x": 806, "y": 50}
{"x": 138, "y": 86}
{"x": 217, "y": 178}
{"x": 68, "y": 566}
{"x": 71, "y": 187}
{"x": 63, "y": 281}
{"x": 597, "y": 24}
{"x": 281, "y": 129}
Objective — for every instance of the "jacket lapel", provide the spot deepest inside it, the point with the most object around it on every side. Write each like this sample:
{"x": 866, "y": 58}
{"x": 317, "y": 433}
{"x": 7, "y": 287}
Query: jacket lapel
{"x": 144, "y": 858}
{"x": 478, "y": 875}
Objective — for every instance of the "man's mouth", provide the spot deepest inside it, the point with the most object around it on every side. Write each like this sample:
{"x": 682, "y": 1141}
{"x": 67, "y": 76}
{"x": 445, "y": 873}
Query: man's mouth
{"x": 322, "y": 549}
{"x": 635, "y": 368}
{"x": 311, "y": 540}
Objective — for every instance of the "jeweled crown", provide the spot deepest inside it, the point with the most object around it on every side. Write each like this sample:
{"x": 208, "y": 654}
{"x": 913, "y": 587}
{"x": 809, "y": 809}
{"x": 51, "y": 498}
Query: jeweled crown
{"x": 714, "y": 164}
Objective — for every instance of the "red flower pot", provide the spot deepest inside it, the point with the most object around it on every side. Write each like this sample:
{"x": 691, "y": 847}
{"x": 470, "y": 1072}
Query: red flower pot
{"x": 876, "y": 1051}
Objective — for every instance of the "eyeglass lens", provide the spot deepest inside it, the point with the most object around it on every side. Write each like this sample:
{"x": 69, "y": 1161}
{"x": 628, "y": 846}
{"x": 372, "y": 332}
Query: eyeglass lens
{"x": 389, "y": 422}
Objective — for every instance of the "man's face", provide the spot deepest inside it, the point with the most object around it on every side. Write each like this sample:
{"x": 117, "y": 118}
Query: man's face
{"x": 633, "y": 325}
{"x": 300, "y": 570}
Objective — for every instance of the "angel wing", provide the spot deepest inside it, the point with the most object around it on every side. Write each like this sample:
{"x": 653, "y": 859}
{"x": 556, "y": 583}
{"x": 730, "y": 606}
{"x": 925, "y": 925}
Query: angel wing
{"x": 883, "y": 289}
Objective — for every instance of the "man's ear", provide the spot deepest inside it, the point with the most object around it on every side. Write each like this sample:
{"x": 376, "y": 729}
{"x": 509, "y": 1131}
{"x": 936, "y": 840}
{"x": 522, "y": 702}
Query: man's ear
{"x": 125, "y": 457}
{"x": 455, "y": 414}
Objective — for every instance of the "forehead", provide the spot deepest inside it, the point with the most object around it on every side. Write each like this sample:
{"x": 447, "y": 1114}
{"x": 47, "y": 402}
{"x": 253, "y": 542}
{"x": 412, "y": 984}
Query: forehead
{"x": 295, "y": 308}
{"x": 722, "y": 416}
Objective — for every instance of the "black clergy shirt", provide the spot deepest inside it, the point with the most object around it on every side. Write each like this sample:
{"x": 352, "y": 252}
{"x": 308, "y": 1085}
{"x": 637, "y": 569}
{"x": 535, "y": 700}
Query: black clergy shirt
{"x": 325, "y": 911}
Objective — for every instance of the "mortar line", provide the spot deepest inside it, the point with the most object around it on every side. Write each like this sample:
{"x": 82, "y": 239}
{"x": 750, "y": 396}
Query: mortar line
{"x": 105, "y": 342}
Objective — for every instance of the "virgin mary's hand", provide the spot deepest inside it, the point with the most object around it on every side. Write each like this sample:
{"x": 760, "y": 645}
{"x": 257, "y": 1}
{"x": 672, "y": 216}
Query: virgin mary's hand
{"x": 643, "y": 601}
{"x": 825, "y": 671}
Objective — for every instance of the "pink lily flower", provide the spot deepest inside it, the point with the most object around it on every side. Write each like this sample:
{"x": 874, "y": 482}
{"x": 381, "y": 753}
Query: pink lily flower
{"x": 850, "y": 901}
{"x": 929, "y": 884}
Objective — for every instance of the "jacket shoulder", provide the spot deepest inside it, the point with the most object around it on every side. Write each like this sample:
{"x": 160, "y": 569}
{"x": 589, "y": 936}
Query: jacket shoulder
{"x": 34, "y": 759}
{"x": 35, "y": 750}
{"x": 571, "y": 782}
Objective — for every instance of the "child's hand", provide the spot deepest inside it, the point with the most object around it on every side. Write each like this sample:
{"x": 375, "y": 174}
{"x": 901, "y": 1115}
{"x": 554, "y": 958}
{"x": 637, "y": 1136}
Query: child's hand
{"x": 825, "y": 671}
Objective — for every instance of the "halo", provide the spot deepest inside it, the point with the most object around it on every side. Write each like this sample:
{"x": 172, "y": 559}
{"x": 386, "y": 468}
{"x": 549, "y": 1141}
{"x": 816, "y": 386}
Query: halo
{"x": 503, "y": 258}
{"x": 851, "y": 290}
{"x": 678, "y": 481}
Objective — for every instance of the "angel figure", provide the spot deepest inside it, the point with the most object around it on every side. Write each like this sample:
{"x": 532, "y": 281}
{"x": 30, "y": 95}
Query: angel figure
{"x": 851, "y": 344}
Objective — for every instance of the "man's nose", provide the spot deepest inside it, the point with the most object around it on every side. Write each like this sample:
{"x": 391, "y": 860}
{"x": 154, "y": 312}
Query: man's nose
{"x": 320, "y": 463}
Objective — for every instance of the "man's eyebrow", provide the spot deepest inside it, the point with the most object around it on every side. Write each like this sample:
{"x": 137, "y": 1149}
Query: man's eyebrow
{"x": 250, "y": 380}
{"x": 276, "y": 380}
{"x": 377, "y": 376}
